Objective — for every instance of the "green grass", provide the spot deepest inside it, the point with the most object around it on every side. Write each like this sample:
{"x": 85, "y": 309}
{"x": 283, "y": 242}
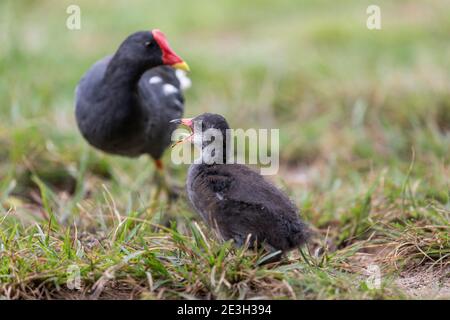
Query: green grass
{"x": 364, "y": 120}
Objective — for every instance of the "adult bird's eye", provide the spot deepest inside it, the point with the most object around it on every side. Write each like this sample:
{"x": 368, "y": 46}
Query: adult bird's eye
{"x": 148, "y": 43}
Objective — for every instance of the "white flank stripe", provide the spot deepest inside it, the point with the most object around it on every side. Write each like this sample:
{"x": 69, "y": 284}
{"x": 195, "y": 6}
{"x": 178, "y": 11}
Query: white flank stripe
{"x": 155, "y": 80}
{"x": 169, "y": 89}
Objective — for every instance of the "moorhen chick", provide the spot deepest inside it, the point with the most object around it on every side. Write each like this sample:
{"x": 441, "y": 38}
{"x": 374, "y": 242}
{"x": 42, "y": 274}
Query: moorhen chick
{"x": 235, "y": 200}
{"x": 125, "y": 101}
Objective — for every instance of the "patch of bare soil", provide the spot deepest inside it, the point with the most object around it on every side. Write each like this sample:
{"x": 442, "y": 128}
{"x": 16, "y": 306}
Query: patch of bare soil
{"x": 426, "y": 283}
{"x": 423, "y": 281}
{"x": 113, "y": 291}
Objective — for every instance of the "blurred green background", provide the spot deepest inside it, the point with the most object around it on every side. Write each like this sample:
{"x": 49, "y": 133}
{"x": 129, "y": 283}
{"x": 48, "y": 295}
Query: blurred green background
{"x": 344, "y": 97}
{"x": 364, "y": 119}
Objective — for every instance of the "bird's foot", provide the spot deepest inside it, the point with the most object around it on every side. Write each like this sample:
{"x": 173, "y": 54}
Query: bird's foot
{"x": 164, "y": 185}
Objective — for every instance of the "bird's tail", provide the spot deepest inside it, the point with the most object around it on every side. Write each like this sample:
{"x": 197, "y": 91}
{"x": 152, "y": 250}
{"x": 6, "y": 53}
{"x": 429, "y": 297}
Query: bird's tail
{"x": 300, "y": 236}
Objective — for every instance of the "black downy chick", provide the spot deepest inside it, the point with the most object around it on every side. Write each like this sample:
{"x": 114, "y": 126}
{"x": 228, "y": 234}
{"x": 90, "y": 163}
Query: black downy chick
{"x": 237, "y": 201}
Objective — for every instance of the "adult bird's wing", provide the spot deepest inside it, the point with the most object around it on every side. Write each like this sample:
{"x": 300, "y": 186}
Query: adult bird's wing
{"x": 87, "y": 89}
{"x": 160, "y": 94}
{"x": 87, "y": 109}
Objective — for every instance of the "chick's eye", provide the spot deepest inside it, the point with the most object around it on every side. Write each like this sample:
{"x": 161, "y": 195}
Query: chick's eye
{"x": 148, "y": 44}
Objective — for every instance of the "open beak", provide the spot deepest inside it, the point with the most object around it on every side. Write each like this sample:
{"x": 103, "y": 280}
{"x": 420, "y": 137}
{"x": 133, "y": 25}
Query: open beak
{"x": 188, "y": 123}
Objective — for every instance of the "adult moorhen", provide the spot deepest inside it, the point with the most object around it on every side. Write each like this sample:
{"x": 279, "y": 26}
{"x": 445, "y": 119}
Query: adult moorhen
{"x": 125, "y": 101}
{"x": 234, "y": 199}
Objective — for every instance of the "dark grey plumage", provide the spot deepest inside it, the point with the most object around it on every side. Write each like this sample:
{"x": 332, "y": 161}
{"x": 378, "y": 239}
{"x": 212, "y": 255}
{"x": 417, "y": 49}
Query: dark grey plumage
{"x": 238, "y": 201}
{"x": 120, "y": 110}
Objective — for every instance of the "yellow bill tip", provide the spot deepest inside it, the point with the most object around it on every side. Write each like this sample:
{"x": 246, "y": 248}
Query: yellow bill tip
{"x": 181, "y": 65}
